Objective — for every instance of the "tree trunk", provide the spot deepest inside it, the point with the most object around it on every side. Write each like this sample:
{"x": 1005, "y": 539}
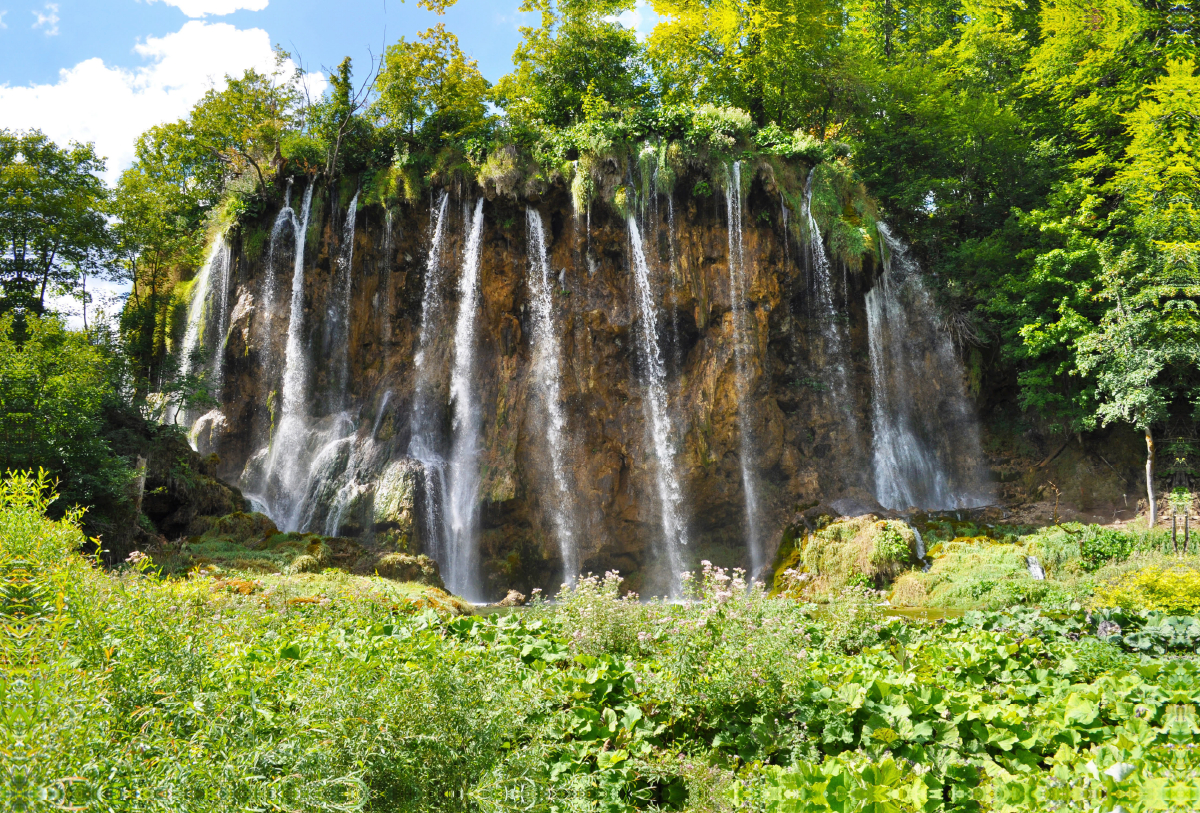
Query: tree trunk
{"x": 1150, "y": 479}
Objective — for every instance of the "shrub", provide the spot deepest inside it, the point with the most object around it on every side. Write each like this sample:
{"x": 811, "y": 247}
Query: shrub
{"x": 1169, "y": 590}
{"x": 1099, "y": 546}
{"x": 859, "y": 551}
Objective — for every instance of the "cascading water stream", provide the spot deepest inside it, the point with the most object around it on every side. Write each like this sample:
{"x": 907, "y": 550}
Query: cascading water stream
{"x": 387, "y": 396}
{"x": 426, "y": 413}
{"x": 218, "y": 362}
{"x": 831, "y": 329}
{"x": 290, "y": 437}
{"x": 742, "y": 337}
{"x": 285, "y": 218}
{"x": 199, "y": 330}
{"x": 340, "y": 312}
{"x": 548, "y": 379}
{"x": 464, "y": 475}
{"x": 926, "y": 453}
{"x": 670, "y": 493}
{"x": 385, "y": 282}
{"x": 1036, "y": 572}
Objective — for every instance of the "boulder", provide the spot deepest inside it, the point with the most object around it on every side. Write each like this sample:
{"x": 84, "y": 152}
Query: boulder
{"x": 403, "y": 567}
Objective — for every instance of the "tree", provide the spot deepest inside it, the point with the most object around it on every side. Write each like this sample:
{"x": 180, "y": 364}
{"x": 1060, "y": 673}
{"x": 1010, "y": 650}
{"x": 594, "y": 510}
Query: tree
{"x": 429, "y": 91}
{"x": 152, "y": 235}
{"x": 55, "y": 385}
{"x": 1146, "y": 350}
{"x": 578, "y": 50}
{"x": 52, "y": 223}
{"x": 336, "y": 120}
{"x": 780, "y": 60}
{"x": 243, "y": 125}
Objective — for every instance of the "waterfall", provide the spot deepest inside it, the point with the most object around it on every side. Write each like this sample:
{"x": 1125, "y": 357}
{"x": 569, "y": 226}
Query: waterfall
{"x": 426, "y": 413}
{"x": 463, "y": 513}
{"x": 1035, "y": 568}
{"x": 547, "y": 379}
{"x": 927, "y": 453}
{"x": 385, "y": 273}
{"x": 290, "y": 436}
{"x": 285, "y": 218}
{"x": 222, "y": 332}
{"x": 339, "y": 314}
{"x": 742, "y": 336}
{"x": 831, "y": 330}
{"x": 199, "y": 330}
{"x": 670, "y": 494}
{"x": 387, "y": 396}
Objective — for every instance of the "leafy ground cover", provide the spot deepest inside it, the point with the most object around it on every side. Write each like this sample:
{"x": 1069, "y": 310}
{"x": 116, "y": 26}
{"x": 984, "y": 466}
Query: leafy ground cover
{"x": 969, "y": 566}
{"x": 130, "y": 691}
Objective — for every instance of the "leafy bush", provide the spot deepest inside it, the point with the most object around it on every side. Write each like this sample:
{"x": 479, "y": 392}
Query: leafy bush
{"x": 1168, "y": 590}
{"x": 1099, "y": 546}
{"x": 859, "y": 551}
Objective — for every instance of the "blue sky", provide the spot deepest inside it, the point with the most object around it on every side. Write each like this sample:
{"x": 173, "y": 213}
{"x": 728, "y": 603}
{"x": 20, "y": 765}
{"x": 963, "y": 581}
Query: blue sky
{"x": 106, "y": 70}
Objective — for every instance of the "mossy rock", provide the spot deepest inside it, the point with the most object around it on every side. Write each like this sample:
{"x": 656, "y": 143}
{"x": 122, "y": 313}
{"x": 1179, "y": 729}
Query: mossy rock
{"x": 395, "y": 503}
{"x": 240, "y": 527}
{"x": 305, "y": 563}
{"x": 403, "y": 567}
{"x": 850, "y": 550}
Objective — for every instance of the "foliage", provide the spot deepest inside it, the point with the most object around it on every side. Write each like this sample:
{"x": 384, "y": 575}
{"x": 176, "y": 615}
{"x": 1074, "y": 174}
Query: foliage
{"x": 351, "y": 695}
{"x": 55, "y": 386}
{"x": 429, "y": 91}
{"x": 1165, "y": 589}
{"x": 242, "y": 125}
{"x": 52, "y": 207}
{"x": 862, "y": 547}
{"x": 577, "y": 61}
{"x": 1099, "y": 546}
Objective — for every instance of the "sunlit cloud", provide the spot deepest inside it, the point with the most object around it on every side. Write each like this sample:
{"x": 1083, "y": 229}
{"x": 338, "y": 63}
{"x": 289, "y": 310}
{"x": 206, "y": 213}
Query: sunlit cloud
{"x": 112, "y": 106}
{"x": 203, "y": 8}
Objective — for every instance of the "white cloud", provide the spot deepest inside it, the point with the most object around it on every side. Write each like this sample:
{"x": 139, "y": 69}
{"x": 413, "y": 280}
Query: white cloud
{"x": 2, "y": 25}
{"x": 202, "y": 8}
{"x": 112, "y": 106}
{"x": 642, "y": 19}
{"x": 47, "y": 21}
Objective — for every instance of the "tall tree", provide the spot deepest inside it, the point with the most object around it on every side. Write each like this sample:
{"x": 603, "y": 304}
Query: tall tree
{"x": 780, "y": 60}
{"x": 243, "y": 125}
{"x": 1146, "y": 350}
{"x": 52, "y": 223}
{"x": 579, "y": 50}
{"x": 430, "y": 91}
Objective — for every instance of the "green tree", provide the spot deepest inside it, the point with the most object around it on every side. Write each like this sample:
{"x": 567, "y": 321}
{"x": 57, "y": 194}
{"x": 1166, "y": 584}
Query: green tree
{"x": 429, "y": 91}
{"x": 55, "y": 386}
{"x": 579, "y": 49}
{"x": 783, "y": 61}
{"x": 1146, "y": 350}
{"x": 152, "y": 235}
{"x": 243, "y": 125}
{"x": 52, "y": 217}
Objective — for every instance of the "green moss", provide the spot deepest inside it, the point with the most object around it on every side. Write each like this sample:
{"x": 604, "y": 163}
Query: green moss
{"x": 859, "y": 551}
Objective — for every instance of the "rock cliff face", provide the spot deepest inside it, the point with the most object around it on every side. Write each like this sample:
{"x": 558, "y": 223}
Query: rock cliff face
{"x": 802, "y": 388}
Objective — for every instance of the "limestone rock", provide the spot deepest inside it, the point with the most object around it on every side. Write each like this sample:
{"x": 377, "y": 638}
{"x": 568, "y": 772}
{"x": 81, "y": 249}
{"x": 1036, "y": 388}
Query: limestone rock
{"x": 403, "y": 567}
{"x": 513, "y": 599}
{"x": 396, "y": 494}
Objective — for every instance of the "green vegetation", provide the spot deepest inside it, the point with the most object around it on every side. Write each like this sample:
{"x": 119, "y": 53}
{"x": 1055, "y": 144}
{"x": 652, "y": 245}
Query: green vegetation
{"x": 969, "y": 567}
{"x": 55, "y": 388}
{"x": 333, "y": 692}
